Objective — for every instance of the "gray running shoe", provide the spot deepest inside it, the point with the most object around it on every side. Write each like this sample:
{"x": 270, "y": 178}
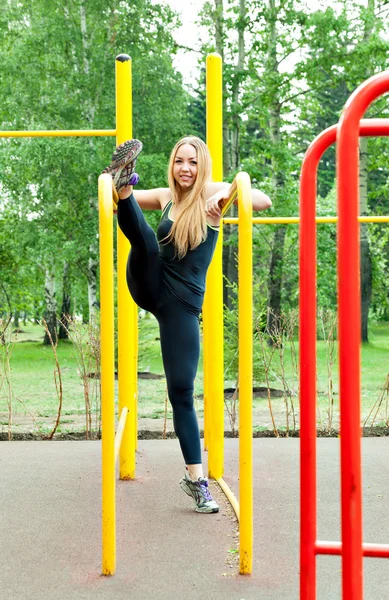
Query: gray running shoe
{"x": 122, "y": 167}
{"x": 199, "y": 491}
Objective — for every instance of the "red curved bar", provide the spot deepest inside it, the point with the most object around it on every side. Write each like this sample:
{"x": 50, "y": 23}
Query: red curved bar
{"x": 307, "y": 317}
{"x": 349, "y": 300}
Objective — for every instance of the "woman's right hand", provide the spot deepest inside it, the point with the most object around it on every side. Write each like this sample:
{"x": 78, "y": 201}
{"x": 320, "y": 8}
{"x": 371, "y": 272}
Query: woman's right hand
{"x": 212, "y": 207}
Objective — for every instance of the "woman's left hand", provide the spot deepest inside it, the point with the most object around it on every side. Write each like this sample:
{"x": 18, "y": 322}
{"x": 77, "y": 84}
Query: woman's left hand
{"x": 212, "y": 207}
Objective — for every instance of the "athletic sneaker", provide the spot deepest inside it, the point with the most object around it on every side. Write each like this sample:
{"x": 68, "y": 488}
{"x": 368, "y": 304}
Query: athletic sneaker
{"x": 122, "y": 167}
{"x": 199, "y": 491}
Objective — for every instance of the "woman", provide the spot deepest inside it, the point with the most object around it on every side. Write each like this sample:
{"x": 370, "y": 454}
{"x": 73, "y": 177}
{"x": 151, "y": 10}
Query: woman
{"x": 166, "y": 274}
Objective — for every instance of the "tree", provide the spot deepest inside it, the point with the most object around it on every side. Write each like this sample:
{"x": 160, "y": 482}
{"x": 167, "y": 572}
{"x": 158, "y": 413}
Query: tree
{"x": 359, "y": 52}
{"x": 68, "y": 83}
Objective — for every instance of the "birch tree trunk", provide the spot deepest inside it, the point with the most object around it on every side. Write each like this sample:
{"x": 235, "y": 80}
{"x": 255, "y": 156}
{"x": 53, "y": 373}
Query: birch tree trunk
{"x": 277, "y": 252}
{"x": 219, "y": 38}
{"x": 91, "y": 272}
{"x": 90, "y": 110}
{"x": 231, "y": 153}
{"x": 65, "y": 309}
{"x": 92, "y": 283}
{"x": 366, "y": 264}
{"x": 50, "y": 315}
{"x": 366, "y": 271}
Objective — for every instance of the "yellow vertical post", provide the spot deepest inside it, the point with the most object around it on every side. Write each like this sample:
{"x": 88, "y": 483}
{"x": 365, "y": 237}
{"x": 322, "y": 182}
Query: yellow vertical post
{"x": 245, "y": 299}
{"x": 107, "y": 375}
{"x": 127, "y": 310}
{"x": 213, "y": 302}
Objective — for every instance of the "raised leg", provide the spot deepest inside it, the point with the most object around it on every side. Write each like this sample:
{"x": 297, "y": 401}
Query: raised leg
{"x": 144, "y": 268}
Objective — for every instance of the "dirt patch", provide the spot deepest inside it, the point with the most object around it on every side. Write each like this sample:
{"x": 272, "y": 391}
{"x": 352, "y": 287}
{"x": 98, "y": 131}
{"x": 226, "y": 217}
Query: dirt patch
{"x": 147, "y": 375}
{"x": 141, "y": 375}
{"x": 148, "y": 434}
{"x": 72, "y": 427}
{"x": 258, "y": 392}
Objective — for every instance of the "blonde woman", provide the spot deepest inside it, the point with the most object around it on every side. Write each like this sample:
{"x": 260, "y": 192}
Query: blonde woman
{"x": 166, "y": 274}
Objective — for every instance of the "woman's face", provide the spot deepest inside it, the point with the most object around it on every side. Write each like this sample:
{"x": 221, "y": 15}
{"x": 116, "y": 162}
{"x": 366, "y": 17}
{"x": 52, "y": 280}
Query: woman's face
{"x": 185, "y": 166}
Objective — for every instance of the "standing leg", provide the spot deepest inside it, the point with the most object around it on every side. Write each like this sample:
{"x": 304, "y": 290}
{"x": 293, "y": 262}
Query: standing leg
{"x": 180, "y": 345}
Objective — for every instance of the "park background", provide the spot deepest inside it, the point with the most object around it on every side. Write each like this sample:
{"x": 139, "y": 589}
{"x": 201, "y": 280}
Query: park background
{"x": 289, "y": 67}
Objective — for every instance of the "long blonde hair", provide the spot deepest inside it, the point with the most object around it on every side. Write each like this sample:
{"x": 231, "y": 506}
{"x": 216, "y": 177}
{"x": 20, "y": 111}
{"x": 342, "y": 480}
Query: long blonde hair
{"x": 190, "y": 227}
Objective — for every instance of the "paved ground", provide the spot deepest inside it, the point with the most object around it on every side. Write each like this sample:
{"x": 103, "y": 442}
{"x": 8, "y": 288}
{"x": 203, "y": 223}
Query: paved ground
{"x": 50, "y": 524}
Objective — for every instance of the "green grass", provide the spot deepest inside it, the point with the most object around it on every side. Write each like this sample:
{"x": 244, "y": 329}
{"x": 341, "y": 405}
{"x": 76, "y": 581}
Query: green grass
{"x": 34, "y": 388}
{"x": 374, "y": 370}
{"x": 33, "y": 377}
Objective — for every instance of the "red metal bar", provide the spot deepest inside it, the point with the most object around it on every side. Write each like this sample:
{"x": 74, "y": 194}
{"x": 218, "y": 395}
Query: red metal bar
{"x": 368, "y": 550}
{"x": 349, "y": 300}
{"x": 307, "y": 312}
{"x": 376, "y": 550}
{"x": 331, "y": 548}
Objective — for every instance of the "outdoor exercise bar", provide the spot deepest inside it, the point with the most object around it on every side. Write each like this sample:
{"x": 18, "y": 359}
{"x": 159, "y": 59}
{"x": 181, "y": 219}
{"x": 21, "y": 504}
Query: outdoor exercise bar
{"x": 349, "y": 330}
{"x": 350, "y": 440}
{"x": 108, "y": 492}
{"x": 60, "y": 133}
{"x": 213, "y": 351}
{"x": 127, "y": 323}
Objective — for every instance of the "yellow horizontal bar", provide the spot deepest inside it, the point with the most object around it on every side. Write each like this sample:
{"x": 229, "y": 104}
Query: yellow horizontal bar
{"x": 373, "y": 219}
{"x": 59, "y": 133}
{"x": 292, "y": 220}
{"x": 119, "y": 432}
{"x": 230, "y": 496}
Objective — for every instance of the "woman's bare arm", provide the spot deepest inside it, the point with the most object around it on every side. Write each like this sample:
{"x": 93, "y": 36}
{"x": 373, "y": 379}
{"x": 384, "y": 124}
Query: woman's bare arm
{"x": 155, "y": 199}
{"x": 217, "y": 191}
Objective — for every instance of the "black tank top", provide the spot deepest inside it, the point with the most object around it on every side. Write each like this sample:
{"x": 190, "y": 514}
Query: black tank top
{"x": 185, "y": 277}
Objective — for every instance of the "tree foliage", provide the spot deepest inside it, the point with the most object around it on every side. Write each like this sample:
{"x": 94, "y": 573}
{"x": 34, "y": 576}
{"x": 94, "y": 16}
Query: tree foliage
{"x": 288, "y": 71}
{"x": 58, "y": 72}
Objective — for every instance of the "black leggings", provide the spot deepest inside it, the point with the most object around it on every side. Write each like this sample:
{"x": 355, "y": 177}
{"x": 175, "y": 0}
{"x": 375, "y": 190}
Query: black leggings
{"x": 179, "y": 329}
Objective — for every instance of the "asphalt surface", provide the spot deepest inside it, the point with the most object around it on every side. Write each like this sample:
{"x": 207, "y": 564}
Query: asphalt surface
{"x": 50, "y": 524}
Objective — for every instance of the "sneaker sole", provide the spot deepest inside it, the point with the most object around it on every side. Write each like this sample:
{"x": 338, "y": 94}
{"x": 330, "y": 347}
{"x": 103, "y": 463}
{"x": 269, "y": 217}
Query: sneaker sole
{"x": 207, "y": 510}
{"x": 187, "y": 491}
{"x": 124, "y": 154}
